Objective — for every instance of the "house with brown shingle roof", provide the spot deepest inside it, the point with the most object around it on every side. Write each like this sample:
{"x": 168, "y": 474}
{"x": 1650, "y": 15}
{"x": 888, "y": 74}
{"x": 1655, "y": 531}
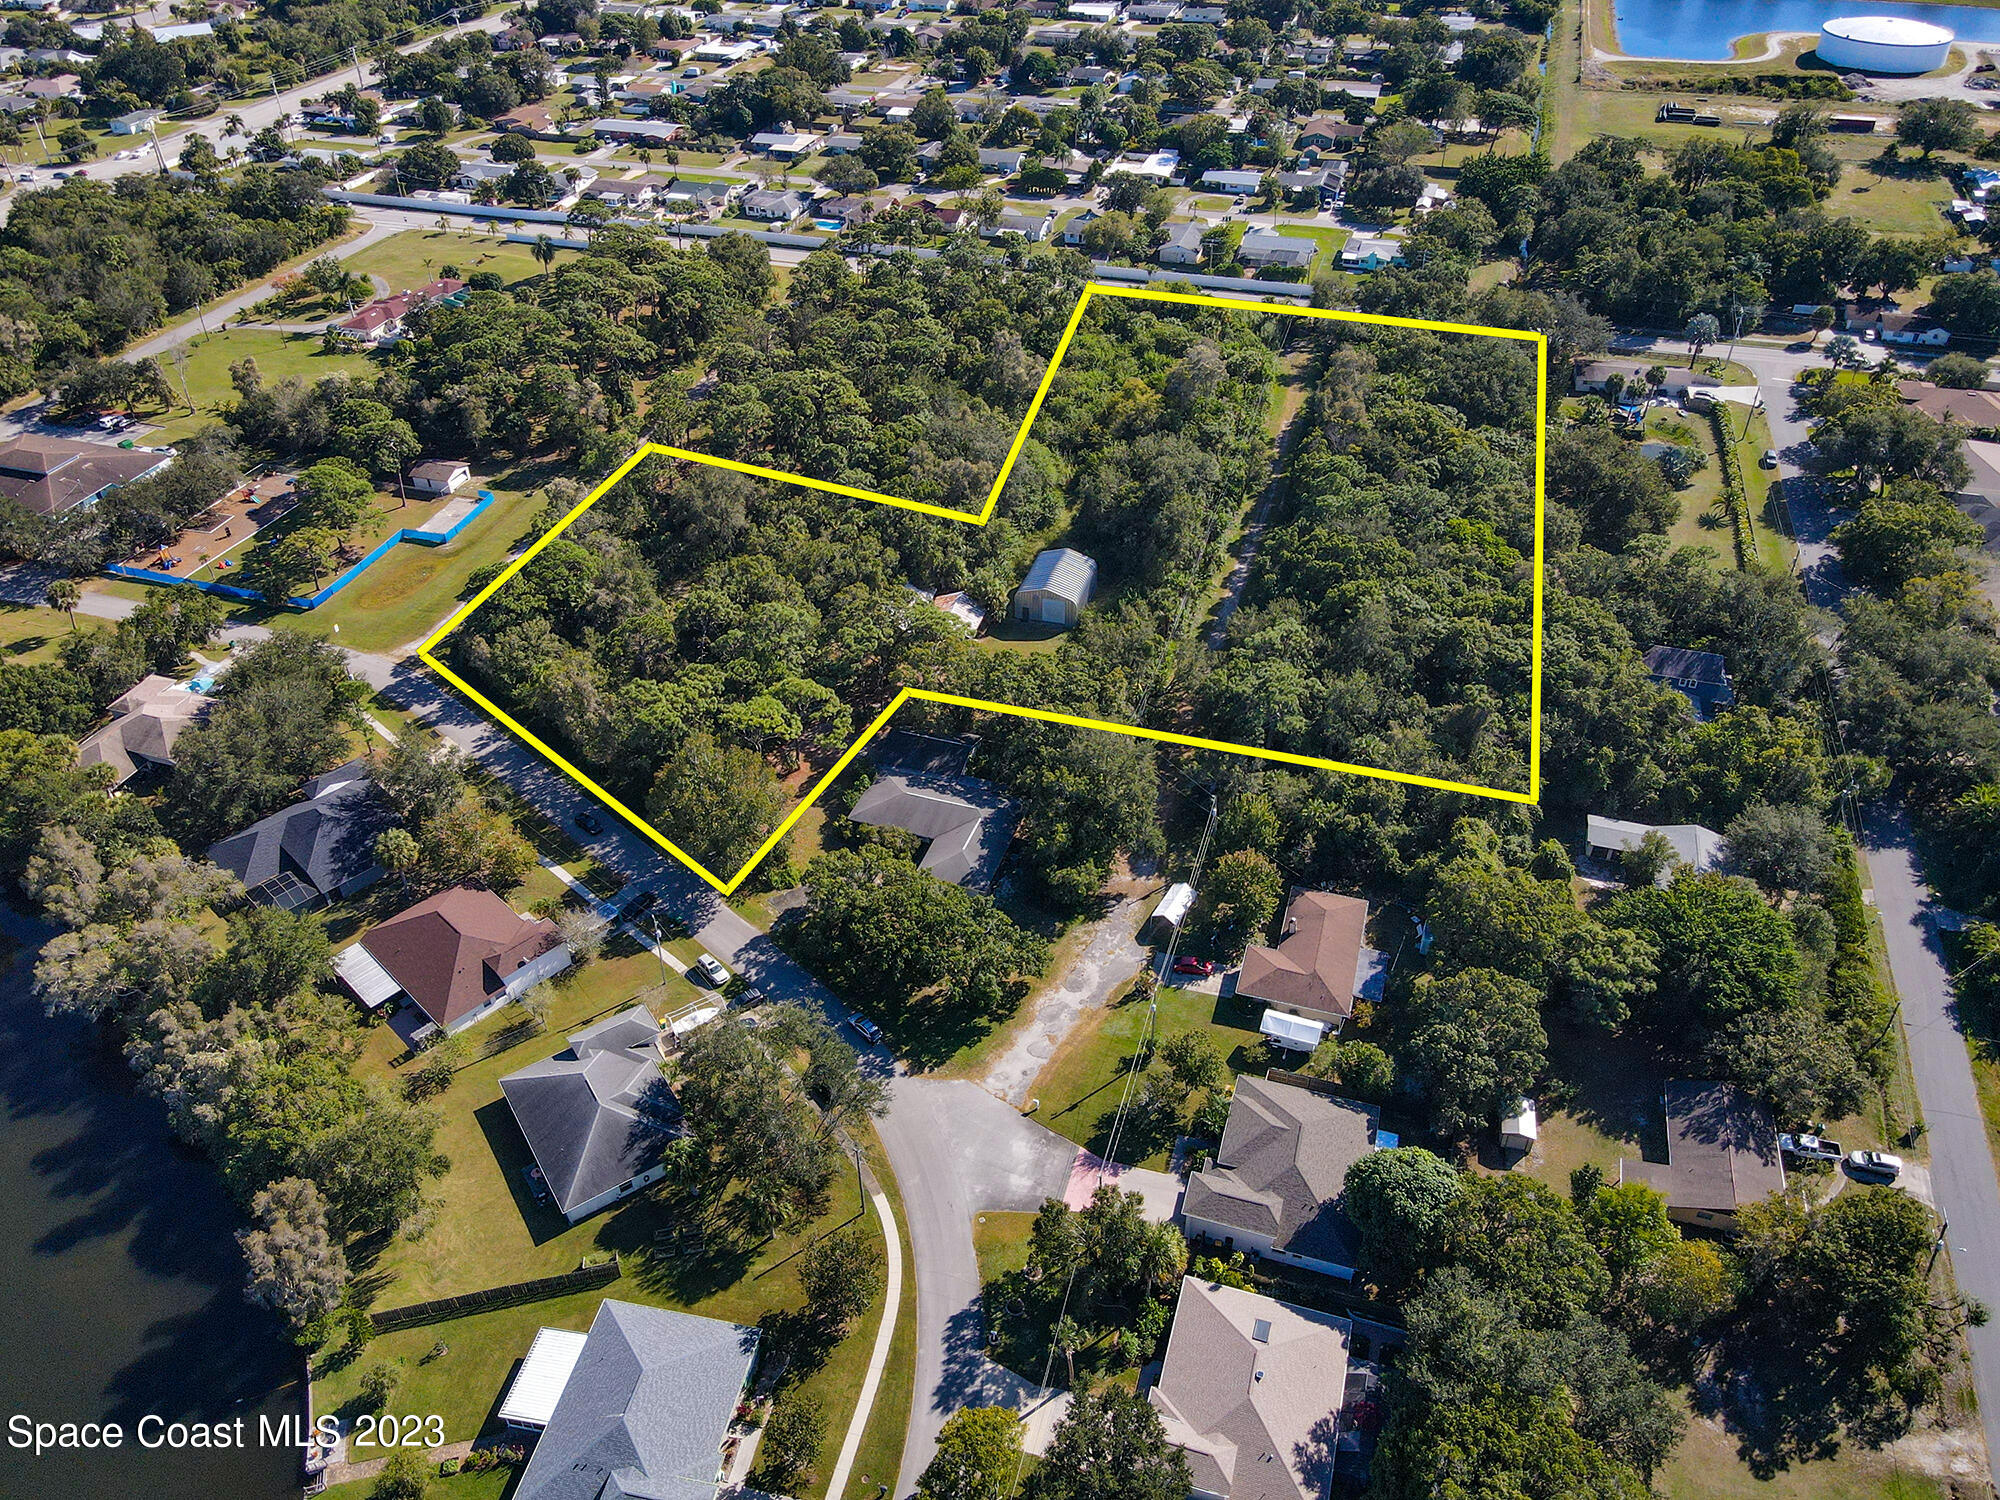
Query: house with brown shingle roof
{"x": 1321, "y": 965}
{"x": 50, "y": 475}
{"x": 1274, "y": 1185}
{"x": 1250, "y": 1392}
{"x": 463, "y": 954}
{"x": 1722, "y": 1153}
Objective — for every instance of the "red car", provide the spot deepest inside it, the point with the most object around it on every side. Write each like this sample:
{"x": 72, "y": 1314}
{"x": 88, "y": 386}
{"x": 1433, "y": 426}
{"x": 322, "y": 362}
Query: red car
{"x": 1200, "y": 966}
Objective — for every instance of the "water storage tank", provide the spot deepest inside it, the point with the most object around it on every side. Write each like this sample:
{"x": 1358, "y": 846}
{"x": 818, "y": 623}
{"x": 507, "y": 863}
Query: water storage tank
{"x": 1884, "y": 44}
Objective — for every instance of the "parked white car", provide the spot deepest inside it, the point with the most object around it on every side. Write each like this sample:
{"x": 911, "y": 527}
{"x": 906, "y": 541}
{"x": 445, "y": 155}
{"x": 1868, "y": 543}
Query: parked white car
{"x": 1875, "y": 1164}
{"x": 712, "y": 970}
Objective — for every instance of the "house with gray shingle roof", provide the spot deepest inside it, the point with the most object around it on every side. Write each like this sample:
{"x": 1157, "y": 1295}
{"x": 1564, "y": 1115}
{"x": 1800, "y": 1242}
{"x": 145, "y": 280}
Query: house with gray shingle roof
{"x": 1249, "y": 1392}
{"x": 1274, "y": 1185}
{"x": 1060, "y": 582}
{"x": 1701, "y": 677}
{"x": 645, "y": 1409}
{"x": 319, "y": 849}
{"x": 966, "y": 824}
{"x": 598, "y": 1115}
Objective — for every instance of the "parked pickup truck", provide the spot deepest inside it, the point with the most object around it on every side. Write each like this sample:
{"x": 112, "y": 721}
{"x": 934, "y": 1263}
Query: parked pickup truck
{"x": 1812, "y": 1147}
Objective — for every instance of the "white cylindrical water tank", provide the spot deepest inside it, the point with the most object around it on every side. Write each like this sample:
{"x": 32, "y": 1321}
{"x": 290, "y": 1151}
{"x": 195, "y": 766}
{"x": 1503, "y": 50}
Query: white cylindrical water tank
{"x": 1884, "y": 44}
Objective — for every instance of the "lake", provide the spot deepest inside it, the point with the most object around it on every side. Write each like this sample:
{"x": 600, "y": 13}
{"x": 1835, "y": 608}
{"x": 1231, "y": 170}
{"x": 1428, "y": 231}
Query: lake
{"x": 123, "y": 1282}
{"x": 1702, "y": 30}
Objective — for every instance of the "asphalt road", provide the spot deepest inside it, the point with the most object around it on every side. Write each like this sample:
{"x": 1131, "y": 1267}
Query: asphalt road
{"x": 257, "y": 113}
{"x": 1963, "y": 1180}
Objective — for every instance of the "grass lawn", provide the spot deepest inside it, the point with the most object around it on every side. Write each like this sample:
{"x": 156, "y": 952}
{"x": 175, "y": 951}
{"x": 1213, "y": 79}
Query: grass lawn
{"x": 1001, "y": 1242}
{"x": 411, "y": 589}
{"x": 1708, "y": 1466}
{"x": 30, "y": 634}
{"x": 279, "y": 356}
{"x": 881, "y": 1452}
{"x": 1330, "y": 241}
{"x": 1702, "y": 522}
{"x": 1080, "y": 1086}
{"x": 416, "y": 256}
{"x": 491, "y": 1484}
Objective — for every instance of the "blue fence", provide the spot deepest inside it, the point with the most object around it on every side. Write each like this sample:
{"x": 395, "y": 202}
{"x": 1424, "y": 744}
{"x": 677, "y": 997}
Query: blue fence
{"x": 314, "y": 601}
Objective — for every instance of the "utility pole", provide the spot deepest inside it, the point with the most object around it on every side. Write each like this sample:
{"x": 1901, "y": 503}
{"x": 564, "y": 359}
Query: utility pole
{"x": 159, "y": 154}
{"x": 659, "y": 948}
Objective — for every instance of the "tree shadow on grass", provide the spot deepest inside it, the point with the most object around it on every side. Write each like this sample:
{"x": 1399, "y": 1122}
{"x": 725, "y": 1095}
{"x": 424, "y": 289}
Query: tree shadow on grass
{"x": 1785, "y": 1407}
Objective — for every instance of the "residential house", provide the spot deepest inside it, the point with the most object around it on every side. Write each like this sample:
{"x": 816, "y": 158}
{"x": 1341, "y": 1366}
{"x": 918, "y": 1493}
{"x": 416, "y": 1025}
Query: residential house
{"x": 1606, "y": 839}
{"x": 385, "y": 320}
{"x": 138, "y": 122}
{"x": 1702, "y": 677}
{"x": 599, "y": 1115}
{"x": 1261, "y": 247}
{"x": 474, "y": 176}
{"x": 1096, "y": 12}
{"x": 645, "y": 1410}
{"x": 841, "y": 143}
{"x": 847, "y": 211}
{"x": 61, "y": 86}
{"x": 682, "y": 196}
{"x": 637, "y": 132}
{"x": 1204, "y": 15}
{"x": 49, "y": 475}
{"x": 1160, "y": 166}
{"x": 185, "y": 30}
{"x": 715, "y": 49}
{"x": 625, "y": 194}
{"x": 1890, "y": 326}
{"x": 1074, "y": 226}
{"x": 1593, "y": 377}
{"x": 1025, "y": 225}
{"x": 1366, "y": 252}
{"x": 146, "y": 719}
{"x": 771, "y": 205}
{"x": 1978, "y": 409}
{"x": 1059, "y": 584}
{"x": 785, "y": 145}
{"x": 534, "y": 120}
{"x": 1722, "y": 1154}
{"x": 1183, "y": 246}
{"x": 1249, "y": 1393}
{"x": 1321, "y": 966}
{"x": 1004, "y": 160}
{"x": 1274, "y": 1185}
{"x": 1232, "y": 182}
{"x": 460, "y": 956}
{"x": 439, "y": 476}
{"x": 1154, "y": 11}
{"x": 966, "y": 824}
{"x": 320, "y": 849}
{"x": 1327, "y": 133}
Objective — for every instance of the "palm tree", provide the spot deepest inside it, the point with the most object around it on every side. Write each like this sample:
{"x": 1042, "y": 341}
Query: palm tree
{"x": 544, "y": 251}
{"x": 234, "y": 125}
{"x": 65, "y": 594}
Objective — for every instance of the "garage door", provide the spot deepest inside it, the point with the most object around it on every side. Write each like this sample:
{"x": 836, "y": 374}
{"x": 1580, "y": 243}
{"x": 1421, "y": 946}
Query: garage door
{"x": 1054, "y": 611}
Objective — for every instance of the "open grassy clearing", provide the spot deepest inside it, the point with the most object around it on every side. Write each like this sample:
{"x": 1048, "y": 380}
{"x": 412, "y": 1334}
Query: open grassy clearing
{"x": 1081, "y": 1085}
{"x": 31, "y": 634}
{"x": 279, "y": 356}
{"x": 419, "y": 255}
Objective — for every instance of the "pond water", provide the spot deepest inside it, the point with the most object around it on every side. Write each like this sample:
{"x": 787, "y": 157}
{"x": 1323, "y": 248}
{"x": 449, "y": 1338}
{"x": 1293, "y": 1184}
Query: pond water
{"x": 1702, "y": 30}
{"x": 123, "y": 1282}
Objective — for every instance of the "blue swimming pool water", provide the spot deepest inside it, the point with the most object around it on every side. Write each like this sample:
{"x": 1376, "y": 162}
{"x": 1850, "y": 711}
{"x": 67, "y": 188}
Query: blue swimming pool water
{"x": 1701, "y": 30}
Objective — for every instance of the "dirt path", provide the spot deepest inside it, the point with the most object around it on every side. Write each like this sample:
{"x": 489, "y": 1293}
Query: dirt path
{"x": 1110, "y": 955}
{"x": 1285, "y": 425}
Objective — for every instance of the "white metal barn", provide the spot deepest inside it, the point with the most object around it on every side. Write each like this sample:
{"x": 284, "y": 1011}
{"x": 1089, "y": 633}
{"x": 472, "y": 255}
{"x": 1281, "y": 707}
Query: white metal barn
{"x": 1060, "y": 582}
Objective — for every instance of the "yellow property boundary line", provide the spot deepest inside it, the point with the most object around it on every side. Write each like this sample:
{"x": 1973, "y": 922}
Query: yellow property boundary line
{"x": 426, "y": 651}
